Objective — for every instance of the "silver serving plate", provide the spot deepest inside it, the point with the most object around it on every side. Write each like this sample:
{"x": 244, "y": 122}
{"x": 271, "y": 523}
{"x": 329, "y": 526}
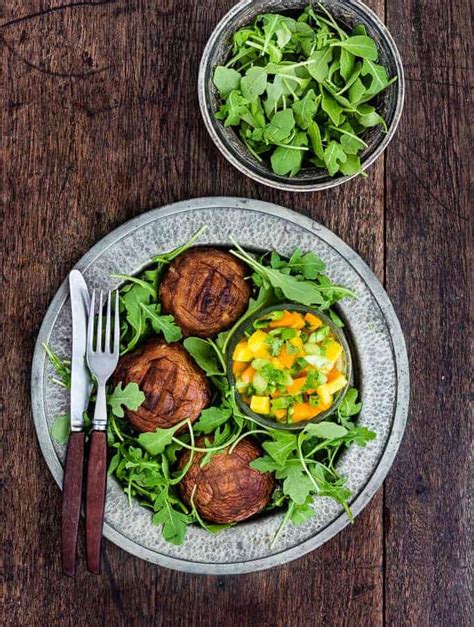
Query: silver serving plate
{"x": 379, "y": 354}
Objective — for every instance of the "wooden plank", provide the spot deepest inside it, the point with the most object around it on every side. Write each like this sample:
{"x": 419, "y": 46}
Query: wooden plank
{"x": 426, "y": 505}
{"x": 101, "y": 124}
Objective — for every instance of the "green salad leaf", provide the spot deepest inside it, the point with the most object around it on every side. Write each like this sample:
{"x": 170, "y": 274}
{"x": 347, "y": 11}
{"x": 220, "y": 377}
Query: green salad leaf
{"x": 290, "y": 85}
{"x": 130, "y": 397}
{"x": 60, "y": 429}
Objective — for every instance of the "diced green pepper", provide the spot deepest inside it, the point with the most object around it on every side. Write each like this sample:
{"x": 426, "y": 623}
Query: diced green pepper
{"x": 282, "y": 402}
{"x": 259, "y": 383}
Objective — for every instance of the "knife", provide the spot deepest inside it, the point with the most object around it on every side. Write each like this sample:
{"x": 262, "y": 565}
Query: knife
{"x": 80, "y": 392}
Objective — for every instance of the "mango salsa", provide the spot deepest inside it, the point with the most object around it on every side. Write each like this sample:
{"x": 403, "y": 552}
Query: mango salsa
{"x": 291, "y": 366}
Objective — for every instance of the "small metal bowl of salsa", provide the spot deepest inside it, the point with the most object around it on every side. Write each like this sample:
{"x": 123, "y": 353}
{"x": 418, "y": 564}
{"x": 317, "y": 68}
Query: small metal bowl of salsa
{"x": 289, "y": 365}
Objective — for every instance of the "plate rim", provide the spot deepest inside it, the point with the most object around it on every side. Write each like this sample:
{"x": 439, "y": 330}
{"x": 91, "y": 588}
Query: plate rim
{"x": 401, "y": 370}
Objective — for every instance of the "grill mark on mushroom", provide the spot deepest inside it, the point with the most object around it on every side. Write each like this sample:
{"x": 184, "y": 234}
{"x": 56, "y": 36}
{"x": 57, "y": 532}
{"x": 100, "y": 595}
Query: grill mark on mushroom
{"x": 205, "y": 290}
{"x": 175, "y": 387}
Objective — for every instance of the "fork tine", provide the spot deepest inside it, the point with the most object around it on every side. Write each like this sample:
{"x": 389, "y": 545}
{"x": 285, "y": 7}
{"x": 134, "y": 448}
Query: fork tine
{"x": 98, "y": 344}
{"x": 116, "y": 348}
{"x": 108, "y": 322}
{"x": 90, "y": 325}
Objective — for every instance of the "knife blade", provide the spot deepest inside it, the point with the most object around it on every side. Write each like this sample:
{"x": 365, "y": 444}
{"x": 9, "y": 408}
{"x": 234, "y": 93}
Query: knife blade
{"x": 80, "y": 380}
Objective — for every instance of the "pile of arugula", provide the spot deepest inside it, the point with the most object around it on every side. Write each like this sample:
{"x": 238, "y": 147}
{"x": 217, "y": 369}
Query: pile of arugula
{"x": 302, "y": 91}
{"x": 145, "y": 464}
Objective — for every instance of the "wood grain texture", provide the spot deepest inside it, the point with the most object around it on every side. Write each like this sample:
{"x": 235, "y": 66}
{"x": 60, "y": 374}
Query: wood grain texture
{"x": 100, "y": 124}
{"x": 427, "y": 212}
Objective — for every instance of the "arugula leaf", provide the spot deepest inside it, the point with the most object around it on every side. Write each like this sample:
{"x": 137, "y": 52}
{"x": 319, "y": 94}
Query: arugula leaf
{"x": 287, "y": 159}
{"x": 351, "y": 166}
{"x": 334, "y": 156}
{"x": 60, "y": 429}
{"x": 155, "y": 442}
{"x": 318, "y": 64}
{"x": 254, "y": 83}
{"x": 204, "y": 355}
{"x": 265, "y": 464}
{"x": 235, "y": 108}
{"x": 378, "y": 74}
{"x": 346, "y": 64}
{"x": 280, "y": 127}
{"x": 356, "y": 91}
{"x": 173, "y": 522}
{"x": 349, "y": 405}
{"x": 368, "y": 117}
{"x": 325, "y": 430}
{"x": 336, "y": 490}
{"x": 281, "y": 446}
{"x": 130, "y": 397}
{"x": 308, "y": 264}
{"x": 322, "y": 292}
{"x": 332, "y": 108}
{"x": 314, "y": 135}
{"x": 296, "y": 483}
{"x": 336, "y": 319}
{"x": 302, "y": 513}
{"x": 132, "y": 301}
{"x": 163, "y": 324}
{"x": 360, "y": 436}
{"x": 212, "y": 418}
{"x": 305, "y": 109}
{"x": 226, "y": 80}
{"x": 360, "y": 46}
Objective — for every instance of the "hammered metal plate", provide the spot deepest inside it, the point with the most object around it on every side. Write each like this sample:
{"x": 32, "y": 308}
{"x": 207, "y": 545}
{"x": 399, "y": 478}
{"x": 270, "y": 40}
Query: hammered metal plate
{"x": 379, "y": 352}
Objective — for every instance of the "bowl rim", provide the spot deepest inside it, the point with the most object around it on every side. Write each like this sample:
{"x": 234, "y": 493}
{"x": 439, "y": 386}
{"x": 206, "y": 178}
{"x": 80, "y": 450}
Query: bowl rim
{"x": 288, "y": 306}
{"x": 285, "y": 183}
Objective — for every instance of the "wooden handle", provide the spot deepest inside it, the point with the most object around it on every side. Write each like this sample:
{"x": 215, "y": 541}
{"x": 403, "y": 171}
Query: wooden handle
{"x": 72, "y": 497}
{"x": 95, "y": 503}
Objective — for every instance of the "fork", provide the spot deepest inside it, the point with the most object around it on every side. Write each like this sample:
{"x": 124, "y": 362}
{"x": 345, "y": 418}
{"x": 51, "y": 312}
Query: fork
{"x": 102, "y": 359}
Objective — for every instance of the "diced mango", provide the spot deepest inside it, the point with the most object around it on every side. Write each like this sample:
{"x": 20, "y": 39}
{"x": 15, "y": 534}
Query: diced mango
{"x": 296, "y": 386}
{"x": 324, "y": 394}
{"x": 260, "y": 404}
{"x": 333, "y": 374}
{"x": 280, "y": 414}
{"x": 242, "y": 352}
{"x": 285, "y": 321}
{"x": 257, "y": 343}
{"x": 277, "y": 363}
{"x": 313, "y": 321}
{"x": 248, "y": 375}
{"x": 286, "y": 358}
{"x": 298, "y": 321}
{"x": 337, "y": 384}
{"x": 297, "y": 341}
{"x": 304, "y": 411}
{"x": 333, "y": 351}
{"x": 238, "y": 366}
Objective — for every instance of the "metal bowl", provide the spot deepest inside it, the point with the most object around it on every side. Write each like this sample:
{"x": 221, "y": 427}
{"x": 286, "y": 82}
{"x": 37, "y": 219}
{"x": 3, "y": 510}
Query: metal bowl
{"x": 216, "y": 52}
{"x": 273, "y": 424}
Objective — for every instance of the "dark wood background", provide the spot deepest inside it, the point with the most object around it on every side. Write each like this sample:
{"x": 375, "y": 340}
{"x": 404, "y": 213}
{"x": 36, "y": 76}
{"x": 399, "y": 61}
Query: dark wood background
{"x": 101, "y": 123}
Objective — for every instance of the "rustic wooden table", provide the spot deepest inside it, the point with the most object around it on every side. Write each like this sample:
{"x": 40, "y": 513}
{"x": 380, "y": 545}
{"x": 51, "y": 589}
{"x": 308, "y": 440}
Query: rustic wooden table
{"x": 101, "y": 123}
